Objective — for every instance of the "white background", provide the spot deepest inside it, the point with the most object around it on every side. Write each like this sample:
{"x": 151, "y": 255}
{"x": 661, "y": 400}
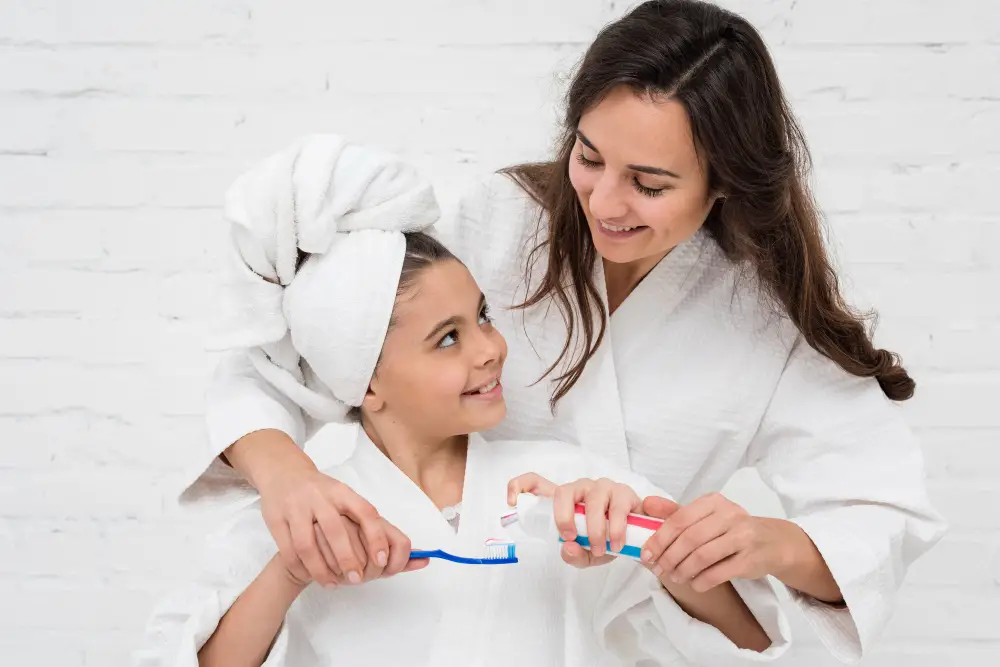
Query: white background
{"x": 122, "y": 122}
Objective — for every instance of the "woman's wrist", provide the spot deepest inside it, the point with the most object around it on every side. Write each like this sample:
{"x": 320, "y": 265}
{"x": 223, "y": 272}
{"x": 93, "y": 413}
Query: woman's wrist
{"x": 262, "y": 457}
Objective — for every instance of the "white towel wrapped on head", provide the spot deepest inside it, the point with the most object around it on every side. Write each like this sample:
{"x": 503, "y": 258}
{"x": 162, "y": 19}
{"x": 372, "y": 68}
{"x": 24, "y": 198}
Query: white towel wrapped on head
{"x": 318, "y": 246}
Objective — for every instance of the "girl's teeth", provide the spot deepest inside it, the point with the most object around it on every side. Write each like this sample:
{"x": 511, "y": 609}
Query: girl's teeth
{"x": 488, "y": 388}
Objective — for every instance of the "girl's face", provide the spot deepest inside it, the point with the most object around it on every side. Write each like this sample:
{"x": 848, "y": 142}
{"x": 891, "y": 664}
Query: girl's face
{"x": 441, "y": 362}
{"x": 640, "y": 181}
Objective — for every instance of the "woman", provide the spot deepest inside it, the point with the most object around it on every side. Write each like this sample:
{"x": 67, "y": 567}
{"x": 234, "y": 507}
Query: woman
{"x": 668, "y": 301}
{"x": 415, "y": 366}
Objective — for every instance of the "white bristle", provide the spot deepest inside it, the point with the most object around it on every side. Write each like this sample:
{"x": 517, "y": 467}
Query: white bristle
{"x": 499, "y": 550}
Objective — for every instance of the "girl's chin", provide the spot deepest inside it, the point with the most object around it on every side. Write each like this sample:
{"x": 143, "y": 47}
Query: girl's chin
{"x": 486, "y": 416}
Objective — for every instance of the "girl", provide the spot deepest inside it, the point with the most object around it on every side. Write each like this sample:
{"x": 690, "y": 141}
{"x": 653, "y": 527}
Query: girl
{"x": 414, "y": 398}
{"x": 669, "y": 303}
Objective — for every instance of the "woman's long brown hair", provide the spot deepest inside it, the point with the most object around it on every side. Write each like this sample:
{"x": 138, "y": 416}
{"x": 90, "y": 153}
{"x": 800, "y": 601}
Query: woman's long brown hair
{"x": 717, "y": 66}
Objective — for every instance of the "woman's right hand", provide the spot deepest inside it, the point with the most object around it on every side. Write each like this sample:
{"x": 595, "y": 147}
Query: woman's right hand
{"x": 329, "y": 534}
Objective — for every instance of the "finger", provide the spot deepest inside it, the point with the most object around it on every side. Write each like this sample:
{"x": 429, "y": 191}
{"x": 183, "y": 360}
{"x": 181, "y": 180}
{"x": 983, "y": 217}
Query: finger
{"x": 416, "y": 564}
{"x": 399, "y": 551}
{"x": 698, "y": 535}
{"x": 596, "y": 502}
{"x": 324, "y": 548}
{"x": 532, "y": 483}
{"x": 564, "y": 503}
{"x": 725, "y": 570}
{"x": 372, "y": 529}
{"x": 304, "y": 541}
{"x": 335, "y": 530}
{"x": 376, "y": 547}
{"x": 329, "y": 523}
{"x": 704, "y": 557}
{"x": 575, "y": 555}
{"x": 286, "y": 549}
{"x": 659, "y": 507}
{"x": 678, "y": 522}
{"x": 370, "y": 569}
{"x": 623, "y": 502}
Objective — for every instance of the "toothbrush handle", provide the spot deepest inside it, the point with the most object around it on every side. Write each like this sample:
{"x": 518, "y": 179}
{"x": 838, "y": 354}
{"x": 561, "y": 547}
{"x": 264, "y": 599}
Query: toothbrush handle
{"x": 425, "y": 554}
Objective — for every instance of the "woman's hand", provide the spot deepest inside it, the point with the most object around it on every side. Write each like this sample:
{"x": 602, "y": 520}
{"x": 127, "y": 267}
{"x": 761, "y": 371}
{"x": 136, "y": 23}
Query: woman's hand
{"x": 299, "y": 576}
{"x": 711, "y": 541}
{"x": 608, "y": 505}
{"x": 327, "y": 533}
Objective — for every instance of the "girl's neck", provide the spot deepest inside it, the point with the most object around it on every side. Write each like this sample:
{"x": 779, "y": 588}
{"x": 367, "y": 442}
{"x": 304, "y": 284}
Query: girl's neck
{"x": 434, "y": 464}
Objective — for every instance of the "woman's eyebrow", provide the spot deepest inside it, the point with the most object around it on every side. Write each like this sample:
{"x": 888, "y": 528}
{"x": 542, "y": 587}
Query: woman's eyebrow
{"x": 656, "y": 171}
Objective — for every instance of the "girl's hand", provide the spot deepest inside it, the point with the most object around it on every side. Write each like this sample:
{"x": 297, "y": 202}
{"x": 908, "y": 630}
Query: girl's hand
{"x": 608, "y": 505}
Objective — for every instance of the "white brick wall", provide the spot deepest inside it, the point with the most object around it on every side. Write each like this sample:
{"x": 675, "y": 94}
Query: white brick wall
{"x": 122, "y": 121}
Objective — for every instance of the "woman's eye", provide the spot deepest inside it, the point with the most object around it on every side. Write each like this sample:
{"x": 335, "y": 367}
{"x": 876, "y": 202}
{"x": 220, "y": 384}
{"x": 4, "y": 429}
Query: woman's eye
{"x": 591, "y": 164}
{"x": 649, "y": 192}
{"x": 449, "y": 339}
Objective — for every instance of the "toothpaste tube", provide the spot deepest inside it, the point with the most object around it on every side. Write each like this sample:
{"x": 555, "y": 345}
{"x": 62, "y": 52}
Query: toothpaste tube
{"x": 535, "y": 517}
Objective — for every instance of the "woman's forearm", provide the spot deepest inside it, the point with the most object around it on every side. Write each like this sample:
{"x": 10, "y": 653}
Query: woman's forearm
{"x": 801, "y": 566}
{"x": 247, "y": 631}
{"x": 258, "y": 456}
{"x": 723, "y": 608}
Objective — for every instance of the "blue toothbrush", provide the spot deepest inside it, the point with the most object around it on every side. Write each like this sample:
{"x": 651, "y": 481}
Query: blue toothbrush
{"x": 497, "y": 553}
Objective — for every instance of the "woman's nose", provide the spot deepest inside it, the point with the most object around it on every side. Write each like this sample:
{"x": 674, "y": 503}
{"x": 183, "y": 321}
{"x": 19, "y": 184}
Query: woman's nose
{"x": 606, "y": 200}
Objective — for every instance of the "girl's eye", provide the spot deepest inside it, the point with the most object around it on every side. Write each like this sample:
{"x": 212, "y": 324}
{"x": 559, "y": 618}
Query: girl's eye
{"x": 590, "y": 164}
{"x": 450, "y": 338}
{"x": 648, "y": 192}
{"x": 484, "y": 316}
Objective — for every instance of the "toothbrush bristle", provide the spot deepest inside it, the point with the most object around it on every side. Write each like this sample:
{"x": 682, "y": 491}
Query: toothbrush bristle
{"x": 500, "y": 550}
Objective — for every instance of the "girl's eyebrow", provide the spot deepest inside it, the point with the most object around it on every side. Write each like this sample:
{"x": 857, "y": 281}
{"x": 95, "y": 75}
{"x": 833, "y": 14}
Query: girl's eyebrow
{"x": 452, "y": 321}
{"x": 656, "y": 171}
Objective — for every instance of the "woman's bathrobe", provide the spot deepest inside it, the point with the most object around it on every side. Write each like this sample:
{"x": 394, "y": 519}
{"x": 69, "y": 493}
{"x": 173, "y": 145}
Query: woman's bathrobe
{"x": 539, "y": 611}
{"x": 696, "y": 377}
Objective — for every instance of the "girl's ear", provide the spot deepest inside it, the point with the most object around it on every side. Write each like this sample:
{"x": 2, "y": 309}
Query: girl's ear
{"x": 372, "y": 401}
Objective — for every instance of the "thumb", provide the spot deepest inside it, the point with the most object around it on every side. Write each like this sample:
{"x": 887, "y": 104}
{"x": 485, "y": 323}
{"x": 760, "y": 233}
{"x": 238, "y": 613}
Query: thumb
{"x": 659, "y": 507}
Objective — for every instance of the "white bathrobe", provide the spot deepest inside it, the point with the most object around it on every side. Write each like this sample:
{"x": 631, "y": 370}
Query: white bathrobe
{"x": 536, "y": 612}
{"x": 696, "y": 378}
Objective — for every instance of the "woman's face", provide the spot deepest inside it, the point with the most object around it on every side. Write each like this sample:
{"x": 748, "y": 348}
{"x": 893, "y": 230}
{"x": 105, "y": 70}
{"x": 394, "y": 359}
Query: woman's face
{"x": 640, "y": 182}
{"x": 440, "y": 367}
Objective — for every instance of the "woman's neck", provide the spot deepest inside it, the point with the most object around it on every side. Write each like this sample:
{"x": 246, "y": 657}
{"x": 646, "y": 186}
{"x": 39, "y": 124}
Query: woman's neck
{"x": 621, "y": 279}
{"x": 434, "y": 464}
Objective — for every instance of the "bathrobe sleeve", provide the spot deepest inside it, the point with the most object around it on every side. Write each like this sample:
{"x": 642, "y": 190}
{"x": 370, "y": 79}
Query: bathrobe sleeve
{"x": 183, "y": 621}
{"x": 639, "y": 621}
{"x": 261, "y": 381}
{"x": 850, "y": 474}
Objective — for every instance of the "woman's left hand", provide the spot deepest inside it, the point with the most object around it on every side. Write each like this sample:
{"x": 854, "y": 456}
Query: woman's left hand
{"x": 711, "y": 541}
{"x": 608, "y": 505}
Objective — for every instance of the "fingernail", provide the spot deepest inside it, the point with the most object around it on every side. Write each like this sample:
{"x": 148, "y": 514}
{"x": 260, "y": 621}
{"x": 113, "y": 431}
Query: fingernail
{"x": 676, "y": 578}
{"x": 381, "y": 558}
{"x": 647, "y": 556}
{"x": 567, "y": 535}
{"x": 354, "y": 577}
{"x": 657, "y": 570}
